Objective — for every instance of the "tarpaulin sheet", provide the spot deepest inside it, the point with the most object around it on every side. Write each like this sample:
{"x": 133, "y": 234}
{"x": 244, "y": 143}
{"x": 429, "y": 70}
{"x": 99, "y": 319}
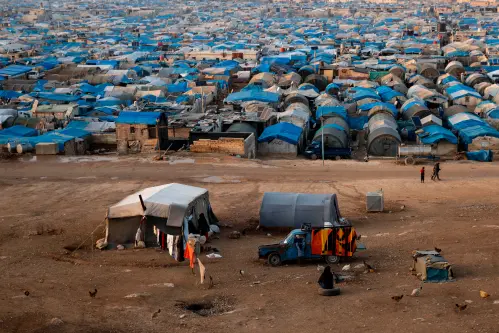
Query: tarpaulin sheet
{"x": 283, "y": 131}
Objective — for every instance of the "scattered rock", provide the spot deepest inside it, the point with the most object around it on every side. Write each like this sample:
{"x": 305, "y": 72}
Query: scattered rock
{"x": 468, "y": 301}
{"x": 307, "y": 282}
{"x": 55, "y": 321}
{"x": 269, "y": 235}
{"x": 182, "y": 316}
{"x": 496, "y": 301}
{"x": 137, "y": 295}
{"x": 358, "y": 266}
{"x": 120, "y": 247}
{"x": 166, "y": 284}
{"x": 235, "y": 235}
{"x": 368, "y": 289}
{"x": 101, "y": 244}
{"x": 346, "y": 268}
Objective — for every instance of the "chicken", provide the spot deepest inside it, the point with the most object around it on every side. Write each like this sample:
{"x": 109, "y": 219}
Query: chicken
{"x": 438, "y": 250}
{"x": 93, "y": 293}
{"x": 155, "y": 314}
{"x": 484, "y": 294}
{"x": 397, "y": 298}
{"x": 461, "y": 307}
{"x": 211, "y": 283}
{"x": 416, "y": 292}
{"x": 368, "y": 267}
{"x": 26, "y": 293}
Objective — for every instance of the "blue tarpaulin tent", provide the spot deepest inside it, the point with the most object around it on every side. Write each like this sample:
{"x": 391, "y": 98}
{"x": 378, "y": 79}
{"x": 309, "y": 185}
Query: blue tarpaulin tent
{"x": 250, "y": 95}
{"x": 147, "y": 118}
{"x": 283, "y": 131}
{"x": 433, "y": 133}
{"x": 480, "y": 155}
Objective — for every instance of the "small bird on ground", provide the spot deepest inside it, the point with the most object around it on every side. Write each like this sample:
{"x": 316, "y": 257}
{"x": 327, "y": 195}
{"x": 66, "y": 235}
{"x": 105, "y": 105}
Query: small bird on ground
{"x": 484, "y": 294}
{"x": 241, "y": 272}
{"x": 211, "y": 283}
{"x": 438, "y": 250}
{"x": 416, "y": 292}
{"x": 93, "y": 293}
{"x": 397, "y": 298}
{"x": 461, "y": 307}
{"x": 26, "y": 293}
{"x": 155, "y": 314}
{"x": 369, "y": 268}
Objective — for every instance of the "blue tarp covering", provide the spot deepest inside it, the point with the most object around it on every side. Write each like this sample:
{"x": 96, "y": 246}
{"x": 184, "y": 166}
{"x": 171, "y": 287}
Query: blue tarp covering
{"x": 248, "y": 95}
{"x": 325, "y": 110}
{"x": 368, "y": 106}
{"x": 387, "y": 93}
{"x": 433, "y": 133}
{"x": 19, "y": 130}
{"x": 147, "y": 118}
{"x": 9, "y": 94}
{"x": 283, "y": 131}
{"x": 55, "y": 97}
{"x": 60, "y": 137}
{"x": 358, "y": 93}
{"x": 14, "y": 70}
{"x": 480, "y": 155}
{"x": 357, "y": 123}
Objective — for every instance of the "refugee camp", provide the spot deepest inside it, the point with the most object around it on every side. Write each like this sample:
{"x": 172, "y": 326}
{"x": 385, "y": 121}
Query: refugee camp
{"x": 250, "y": 166}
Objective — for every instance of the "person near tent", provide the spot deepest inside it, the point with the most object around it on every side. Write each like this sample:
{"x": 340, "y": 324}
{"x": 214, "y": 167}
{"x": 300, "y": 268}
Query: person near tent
{"x": 300, "y": 247}
{"x": 422, "y": 174}
{"x": 326, "y": 279}
{"x": 436, "y": 171}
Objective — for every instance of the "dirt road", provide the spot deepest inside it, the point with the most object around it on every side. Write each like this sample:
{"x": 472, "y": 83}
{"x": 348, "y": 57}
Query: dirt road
{"x": 48, "y": 204}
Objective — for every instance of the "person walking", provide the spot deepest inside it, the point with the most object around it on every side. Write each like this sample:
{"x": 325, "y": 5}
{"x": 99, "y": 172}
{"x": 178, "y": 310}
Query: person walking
{"x": 436, "y": 170}
{"x": 422, "y": 174}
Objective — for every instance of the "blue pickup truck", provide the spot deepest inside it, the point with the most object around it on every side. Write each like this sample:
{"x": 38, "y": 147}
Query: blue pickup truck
{"x": 329, "y": 243}
{"x": 314, "y": 151}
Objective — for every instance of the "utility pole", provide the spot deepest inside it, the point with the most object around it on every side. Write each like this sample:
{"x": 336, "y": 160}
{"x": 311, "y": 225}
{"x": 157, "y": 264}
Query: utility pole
{"x": 322, "y": 138}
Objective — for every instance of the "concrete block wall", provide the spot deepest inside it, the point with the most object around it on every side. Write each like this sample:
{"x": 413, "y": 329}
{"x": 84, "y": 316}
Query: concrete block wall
{"x": 127, "y": 141}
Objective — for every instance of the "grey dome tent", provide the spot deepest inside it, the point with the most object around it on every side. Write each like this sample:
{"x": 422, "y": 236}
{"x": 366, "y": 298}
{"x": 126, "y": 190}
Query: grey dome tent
{"x": 292, "y": 210}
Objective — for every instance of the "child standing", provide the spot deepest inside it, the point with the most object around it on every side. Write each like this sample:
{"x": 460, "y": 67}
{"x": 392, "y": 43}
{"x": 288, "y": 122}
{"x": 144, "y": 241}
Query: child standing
{"x": 422, "y": 174}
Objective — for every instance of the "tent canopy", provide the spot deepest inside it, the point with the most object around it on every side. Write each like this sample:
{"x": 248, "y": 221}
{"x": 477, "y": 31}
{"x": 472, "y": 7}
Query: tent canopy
{"x": 165, "y": 201}
{"x": 292, "y": 210}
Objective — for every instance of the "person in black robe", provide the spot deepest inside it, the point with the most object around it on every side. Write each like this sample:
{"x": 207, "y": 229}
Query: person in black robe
{"x": 326, "y": 279}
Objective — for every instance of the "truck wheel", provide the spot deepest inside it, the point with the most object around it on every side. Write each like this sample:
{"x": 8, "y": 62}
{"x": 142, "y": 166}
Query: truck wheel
{"x": 329, "y": 292}
{"x": 313, "y": 157}
{"x": 410, "y": 161}
{"x": 332, "y": 259}
{"x": 274, "y": 259}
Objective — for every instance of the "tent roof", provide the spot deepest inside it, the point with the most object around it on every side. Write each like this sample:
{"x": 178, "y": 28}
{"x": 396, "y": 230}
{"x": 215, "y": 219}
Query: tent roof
{"x": 160, "y": 201}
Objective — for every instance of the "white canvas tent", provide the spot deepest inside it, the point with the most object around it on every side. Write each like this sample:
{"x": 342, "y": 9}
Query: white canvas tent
{"x": 168, "y": 207}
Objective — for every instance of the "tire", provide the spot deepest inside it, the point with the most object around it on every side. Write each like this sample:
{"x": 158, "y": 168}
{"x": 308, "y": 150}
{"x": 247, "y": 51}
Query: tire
{"x": 332, "y": 260}
{"x": 313, "y": 157}
{"x": 274, "y": 259}
{"x": 410, "y": 161}
{"x": 329, "y": 292}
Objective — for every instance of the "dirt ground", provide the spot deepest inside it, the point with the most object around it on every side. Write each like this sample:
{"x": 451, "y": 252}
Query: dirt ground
{"x": 50, "y": 203}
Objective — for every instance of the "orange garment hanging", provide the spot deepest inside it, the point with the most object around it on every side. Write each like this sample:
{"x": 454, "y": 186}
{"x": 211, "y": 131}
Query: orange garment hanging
{"x": 190, "y": 254}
